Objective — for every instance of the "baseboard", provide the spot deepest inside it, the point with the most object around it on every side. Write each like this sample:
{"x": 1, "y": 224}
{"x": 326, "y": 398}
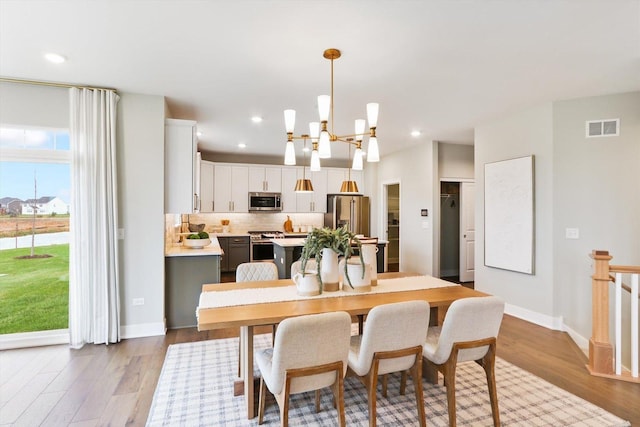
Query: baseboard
{"x": 142, "y": 330}
{"x": 580, "y": 341}
{"x": 548, "y": 322}
{"x": 449, "y": 273}
{"x": 34, "y": 339}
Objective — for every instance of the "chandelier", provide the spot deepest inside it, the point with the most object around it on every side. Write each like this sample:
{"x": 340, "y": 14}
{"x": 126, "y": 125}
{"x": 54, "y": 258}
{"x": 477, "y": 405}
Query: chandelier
{"x": 321, "y": 136}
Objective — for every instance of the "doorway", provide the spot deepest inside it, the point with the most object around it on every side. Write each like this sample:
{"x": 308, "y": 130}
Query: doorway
{"x": 393, "y": 226}
{"x": 457, "y": 231}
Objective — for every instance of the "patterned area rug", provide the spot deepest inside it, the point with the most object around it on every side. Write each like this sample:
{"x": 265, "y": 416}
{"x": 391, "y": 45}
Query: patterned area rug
{"x": 196, "y": 389}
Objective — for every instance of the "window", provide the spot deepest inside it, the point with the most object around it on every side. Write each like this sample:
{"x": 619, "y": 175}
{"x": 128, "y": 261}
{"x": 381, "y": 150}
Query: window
{"x": 34, "y": 226}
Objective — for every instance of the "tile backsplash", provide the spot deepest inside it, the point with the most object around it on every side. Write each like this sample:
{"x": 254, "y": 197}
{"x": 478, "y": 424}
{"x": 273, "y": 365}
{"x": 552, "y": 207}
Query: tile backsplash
{"x": 239, "y": 222}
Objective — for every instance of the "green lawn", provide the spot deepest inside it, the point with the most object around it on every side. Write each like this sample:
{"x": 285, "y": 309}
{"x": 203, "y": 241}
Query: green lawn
{"x": 34, "y": 293}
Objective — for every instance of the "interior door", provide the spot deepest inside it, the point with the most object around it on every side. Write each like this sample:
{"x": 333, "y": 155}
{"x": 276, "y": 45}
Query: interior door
{"x": 467, "y": 231}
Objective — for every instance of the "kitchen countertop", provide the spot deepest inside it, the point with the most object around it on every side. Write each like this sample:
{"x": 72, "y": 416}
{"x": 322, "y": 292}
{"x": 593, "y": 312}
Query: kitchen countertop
{"x": 212, "y": 250}
{"x": 293, "y": 242}
{"x": 229, "y": 234}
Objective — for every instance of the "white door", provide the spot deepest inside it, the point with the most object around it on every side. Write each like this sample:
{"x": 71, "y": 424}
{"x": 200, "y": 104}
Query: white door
{"x": 467, "y": 231}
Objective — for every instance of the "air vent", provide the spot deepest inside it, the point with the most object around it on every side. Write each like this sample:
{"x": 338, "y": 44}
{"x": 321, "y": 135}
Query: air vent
{"x": 608, "y": 127}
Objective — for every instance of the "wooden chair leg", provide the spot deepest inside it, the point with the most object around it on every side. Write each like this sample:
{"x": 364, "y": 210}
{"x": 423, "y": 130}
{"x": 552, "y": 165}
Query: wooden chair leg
{"x": 372, "y": 389}
{"x": 489, "y": 363}
{"x": 384, "y": 385}
{"x": 339, "y": 398}
{"x": 449, "y": 372}
{"x": 416, "y": 375}
{"x": 317, "y": 401}
{"x": 403, "y": 382}
{"x": 261, "y": 400}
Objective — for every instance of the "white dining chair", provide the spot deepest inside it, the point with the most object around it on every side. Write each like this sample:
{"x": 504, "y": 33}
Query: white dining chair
{"x": 301, "y": 361}
{"x": 468, "y": 332}
{"x": 255, "y": 272}
{"x": 391, "y": 341}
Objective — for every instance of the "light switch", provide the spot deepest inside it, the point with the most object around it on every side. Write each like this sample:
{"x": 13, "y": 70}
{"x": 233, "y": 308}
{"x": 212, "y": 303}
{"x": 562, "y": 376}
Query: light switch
{"x": 572, "y": 233}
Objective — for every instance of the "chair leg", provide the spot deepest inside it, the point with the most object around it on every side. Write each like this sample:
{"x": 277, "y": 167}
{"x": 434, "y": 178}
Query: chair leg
{"x": 261, "y": 400}
{"x": 489, "y": 363}
{"x": 372, "y": 389}
{"x": 403, "y": 382}
{"x": 339, "y": 399}
{"x": 384, "y": 385}
{"x": 416, "y": 375}
{"x": 449, "y": 372}
{"x": 317, "y": 401}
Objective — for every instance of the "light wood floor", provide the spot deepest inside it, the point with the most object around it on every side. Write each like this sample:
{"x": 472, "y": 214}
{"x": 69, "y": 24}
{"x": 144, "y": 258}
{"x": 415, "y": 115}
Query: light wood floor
{"x": 114, "y": 385}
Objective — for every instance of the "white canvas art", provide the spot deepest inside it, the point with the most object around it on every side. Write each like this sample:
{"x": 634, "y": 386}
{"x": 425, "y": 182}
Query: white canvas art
{"x": 509, "y": 214}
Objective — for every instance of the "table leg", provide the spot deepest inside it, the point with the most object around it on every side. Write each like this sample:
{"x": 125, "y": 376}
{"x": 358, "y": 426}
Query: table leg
{"x": 247, "y": 362}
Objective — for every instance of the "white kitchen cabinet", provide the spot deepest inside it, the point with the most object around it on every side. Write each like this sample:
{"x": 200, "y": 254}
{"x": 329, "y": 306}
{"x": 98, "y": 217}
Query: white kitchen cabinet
{"x": 316, "y": 201}
{"x": 231, "y": 188}
{"x": 289, "y": 196}
{"x": 265, "y": 179}
{"x": 206, "y": 186}
{"x": 180, "y": 167}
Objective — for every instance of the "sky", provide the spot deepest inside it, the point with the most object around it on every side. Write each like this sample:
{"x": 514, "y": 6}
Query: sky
{"x": 17, "y": 180}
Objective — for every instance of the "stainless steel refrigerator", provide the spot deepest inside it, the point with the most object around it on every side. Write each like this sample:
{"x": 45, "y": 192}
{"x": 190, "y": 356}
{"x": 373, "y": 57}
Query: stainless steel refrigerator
{"x": 348, "y": 209}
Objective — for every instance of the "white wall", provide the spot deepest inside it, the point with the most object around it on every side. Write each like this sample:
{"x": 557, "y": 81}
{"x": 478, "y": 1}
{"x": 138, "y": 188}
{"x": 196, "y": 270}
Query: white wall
{"x": 30, "y": 105}
{"x": 141, "y": 212}
{"x": 414, "y": 169}
{"x": 455, "y": 161}
{"x": 597, "y": 190}
{"x": 521, "y": 134}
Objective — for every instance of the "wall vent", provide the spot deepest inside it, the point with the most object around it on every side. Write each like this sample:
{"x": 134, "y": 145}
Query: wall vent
{"x": 598, "y": 128}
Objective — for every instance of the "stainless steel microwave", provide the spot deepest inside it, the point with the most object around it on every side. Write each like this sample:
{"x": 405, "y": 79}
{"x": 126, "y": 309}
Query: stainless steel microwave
{"x": 265, "y": 202}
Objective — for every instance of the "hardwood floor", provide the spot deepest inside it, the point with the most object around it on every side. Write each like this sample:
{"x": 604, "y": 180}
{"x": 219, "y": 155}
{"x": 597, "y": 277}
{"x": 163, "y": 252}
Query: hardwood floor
{"x": 114, "y": 385}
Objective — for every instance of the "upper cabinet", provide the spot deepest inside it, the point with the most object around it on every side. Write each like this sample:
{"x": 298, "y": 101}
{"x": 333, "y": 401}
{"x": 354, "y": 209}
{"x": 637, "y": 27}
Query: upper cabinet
{"x": 231, "y": 188}
{"x": 289, "y": 196}
{"x": 181, "y": 177}
{"x": 316, "y": 201}
{"x": 206, "y": 186}
{"x": 265, "y": 179}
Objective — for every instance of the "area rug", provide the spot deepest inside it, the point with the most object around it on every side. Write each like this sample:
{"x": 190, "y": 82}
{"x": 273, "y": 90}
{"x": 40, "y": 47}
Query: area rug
{"x": 195, "y": 388}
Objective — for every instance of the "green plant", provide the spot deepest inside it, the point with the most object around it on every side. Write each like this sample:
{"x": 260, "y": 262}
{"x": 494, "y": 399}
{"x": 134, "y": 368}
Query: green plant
{"x": 340, "y": 240}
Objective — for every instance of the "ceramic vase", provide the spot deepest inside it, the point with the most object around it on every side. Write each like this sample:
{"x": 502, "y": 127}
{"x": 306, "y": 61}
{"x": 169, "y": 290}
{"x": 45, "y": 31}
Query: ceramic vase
{"x": 329, "y": 270}
{"x": 359, "y": 282}
{"x": 307, "y": 285}
{"x": 369, "y": 255}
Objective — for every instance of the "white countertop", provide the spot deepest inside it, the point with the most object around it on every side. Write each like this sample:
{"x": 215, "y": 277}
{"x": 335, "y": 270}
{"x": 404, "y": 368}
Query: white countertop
{"x": 213, "y": 249}
{"x": 288, "y": 242}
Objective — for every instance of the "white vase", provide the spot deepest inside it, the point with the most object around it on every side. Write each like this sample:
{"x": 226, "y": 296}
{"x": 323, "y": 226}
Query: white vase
{"x": 308, "y": 284}
{"x": 359, "y": 282}
{"x": 369, "y": 252}
{"x": 329, "y": 270}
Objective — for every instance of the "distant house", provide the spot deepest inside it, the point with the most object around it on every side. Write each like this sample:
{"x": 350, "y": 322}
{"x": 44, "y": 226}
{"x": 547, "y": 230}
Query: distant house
{"x": 10, "y": 205}
{"x": 46, "y": 205}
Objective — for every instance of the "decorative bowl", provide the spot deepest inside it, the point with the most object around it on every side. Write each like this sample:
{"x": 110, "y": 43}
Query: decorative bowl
{"x": 196, "y": 243}
{"x": 194, "y": 228}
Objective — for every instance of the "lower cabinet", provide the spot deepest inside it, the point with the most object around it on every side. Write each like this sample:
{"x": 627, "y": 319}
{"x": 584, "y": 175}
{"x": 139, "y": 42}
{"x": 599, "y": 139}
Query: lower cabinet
{"x": 236, "y": 251}
{"x": 184, "y": 277}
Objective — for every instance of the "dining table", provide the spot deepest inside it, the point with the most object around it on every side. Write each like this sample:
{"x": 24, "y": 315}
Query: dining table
{"x": 250, "y": 304}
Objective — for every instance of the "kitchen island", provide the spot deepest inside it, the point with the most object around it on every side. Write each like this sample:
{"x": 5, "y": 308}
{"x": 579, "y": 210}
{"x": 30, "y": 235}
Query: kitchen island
{"x": 186, "y": 270}
{"x": 287, "y": 251}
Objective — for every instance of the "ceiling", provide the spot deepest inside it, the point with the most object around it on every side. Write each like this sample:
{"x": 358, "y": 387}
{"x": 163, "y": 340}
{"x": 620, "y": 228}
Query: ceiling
{"x": 439, "y": 67}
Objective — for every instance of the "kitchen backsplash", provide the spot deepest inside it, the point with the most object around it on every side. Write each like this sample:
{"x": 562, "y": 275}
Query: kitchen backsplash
{"x": 240, "y": 222}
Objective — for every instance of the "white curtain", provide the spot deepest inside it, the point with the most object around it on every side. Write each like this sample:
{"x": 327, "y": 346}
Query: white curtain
{"x": 94, "y": 304}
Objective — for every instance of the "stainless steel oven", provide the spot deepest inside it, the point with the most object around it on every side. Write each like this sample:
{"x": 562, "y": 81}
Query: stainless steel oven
{"x": 261, "y": 245}
{"x": 265, "y": 202}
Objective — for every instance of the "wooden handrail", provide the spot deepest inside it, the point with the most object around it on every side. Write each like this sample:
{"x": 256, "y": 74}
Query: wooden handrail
{"x": 632, "y": 269}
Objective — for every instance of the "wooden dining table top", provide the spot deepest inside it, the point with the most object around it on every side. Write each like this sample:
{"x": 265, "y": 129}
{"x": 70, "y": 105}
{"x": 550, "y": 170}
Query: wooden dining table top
{"x": 359, "y": 304}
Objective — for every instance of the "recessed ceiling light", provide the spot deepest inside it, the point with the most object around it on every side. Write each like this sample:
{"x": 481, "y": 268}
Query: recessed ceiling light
{"x": 55, "y": 58}
{"x": 415, "y": 133}
{"x": 242, "y": 145}
{"x": 256, "y": 119}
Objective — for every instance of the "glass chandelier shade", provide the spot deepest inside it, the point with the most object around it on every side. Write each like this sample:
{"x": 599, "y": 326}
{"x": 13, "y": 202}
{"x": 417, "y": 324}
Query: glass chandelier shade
{"x": 290, "y": 154}
{"x": 324, "y": 147}
{"x": 357, "y": 160}
{"x": 373, "y": 154}
{"x": 315, "y": 160}
{"x": 289, "y": 120}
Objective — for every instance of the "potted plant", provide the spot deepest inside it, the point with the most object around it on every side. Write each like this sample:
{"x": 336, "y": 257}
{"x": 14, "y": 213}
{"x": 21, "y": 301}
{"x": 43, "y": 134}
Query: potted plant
{"x": 327, "y": 243}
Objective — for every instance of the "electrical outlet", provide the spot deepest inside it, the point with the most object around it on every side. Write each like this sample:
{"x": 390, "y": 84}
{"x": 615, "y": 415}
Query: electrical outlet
{"x": 572, "y": 233}
{"x": 138, "y": 301}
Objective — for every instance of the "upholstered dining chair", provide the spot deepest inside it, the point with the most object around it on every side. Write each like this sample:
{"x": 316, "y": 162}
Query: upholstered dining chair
{"x": 301, "y": 361}
{"x": 468, "y": 332}
{"x": 255, "y": 272}
{"x": 391, "y": 341}
{"x": 296, "y": 266}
